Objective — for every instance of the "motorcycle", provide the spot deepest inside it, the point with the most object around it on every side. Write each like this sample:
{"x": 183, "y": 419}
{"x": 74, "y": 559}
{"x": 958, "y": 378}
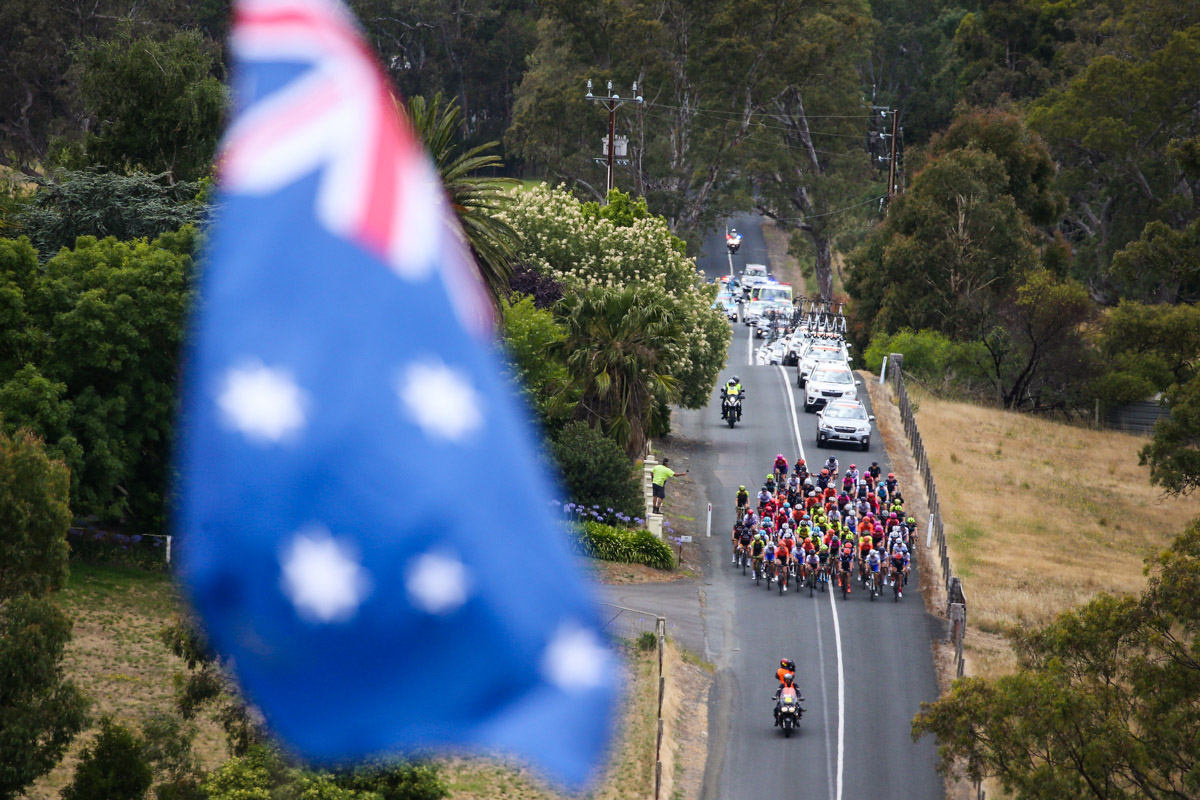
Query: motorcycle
{"x": 733, "y": 241}
{"x": 788, "y": 711}
{"x": 731, "y": 408}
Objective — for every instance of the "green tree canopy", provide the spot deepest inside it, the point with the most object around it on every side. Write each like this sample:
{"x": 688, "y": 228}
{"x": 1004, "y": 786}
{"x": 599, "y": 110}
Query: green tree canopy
{"x": 101, "y": 204}
{"x": 948, "y": 250}
{"x": 474, "y": 197}
{"x": 596, "y": 471}
{"x": 584, "y": 250}
{"x": 1174, "y": 452}
{"x": 1105, "y": 703}
{"x": 113, "y": 767}
{"x": 616, "y": 346}
{"x": 40, "y": 710}
{"x": 34, "y": 518}
{"x": 157, "y": 103}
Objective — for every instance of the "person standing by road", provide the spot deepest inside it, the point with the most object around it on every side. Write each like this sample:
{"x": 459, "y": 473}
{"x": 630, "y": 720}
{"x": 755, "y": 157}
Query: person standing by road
{"x": 658, "y": 477}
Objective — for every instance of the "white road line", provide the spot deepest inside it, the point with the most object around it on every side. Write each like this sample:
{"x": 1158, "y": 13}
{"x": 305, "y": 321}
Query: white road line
{"x": 837, "y": 628}
{"x": 750, "y": 347}
{"x": 791, "y": 404}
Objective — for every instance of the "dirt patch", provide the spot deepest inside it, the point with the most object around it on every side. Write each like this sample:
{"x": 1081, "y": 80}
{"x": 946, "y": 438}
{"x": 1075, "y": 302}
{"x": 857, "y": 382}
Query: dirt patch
{"x": 117, "y": 657}
{"x": 630, "y": 772}
{"x": 685, "y": 509}
{"x": 619, "y": 574}
{"x": 693, "y": 680}
{"x": 891, "y": 431}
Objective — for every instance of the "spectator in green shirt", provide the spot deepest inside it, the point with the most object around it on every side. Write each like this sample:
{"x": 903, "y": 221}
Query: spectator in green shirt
{"x": 658, "y": 477}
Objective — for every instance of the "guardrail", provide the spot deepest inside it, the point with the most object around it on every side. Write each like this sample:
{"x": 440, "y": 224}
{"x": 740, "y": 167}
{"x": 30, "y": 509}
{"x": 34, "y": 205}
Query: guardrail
{"x": 956, "y": 599}
{"x": 629, "y": 623}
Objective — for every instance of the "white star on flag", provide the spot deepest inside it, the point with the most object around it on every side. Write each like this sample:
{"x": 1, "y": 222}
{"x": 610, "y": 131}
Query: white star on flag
{"x": 263, "y": 403}
{"x": 437, "y": 583}
{"x": 440, "y": 399}
{"x": 575, "y": 660}
{"x": 322, "y": 576}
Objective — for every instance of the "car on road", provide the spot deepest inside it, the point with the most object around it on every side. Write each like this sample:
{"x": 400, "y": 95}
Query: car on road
{"x": 820, "y": 351}
{"x": 753, "y": 275}
{"x": 844, "y": 422}
{"x": 827, "y": 382}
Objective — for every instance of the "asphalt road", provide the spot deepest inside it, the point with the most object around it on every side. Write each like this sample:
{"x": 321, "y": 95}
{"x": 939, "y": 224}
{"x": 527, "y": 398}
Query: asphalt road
{"x": 863, "y": 666}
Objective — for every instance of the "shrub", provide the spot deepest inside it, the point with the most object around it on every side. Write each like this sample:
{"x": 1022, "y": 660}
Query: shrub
{"x": 596, "y": 472}
{"x": 647, "y": 641}
{"x": 94, "y": 546}
{"x": 596, "y": 540}
{"x": 929, "y": 355}
{"x": 113, "y": 768}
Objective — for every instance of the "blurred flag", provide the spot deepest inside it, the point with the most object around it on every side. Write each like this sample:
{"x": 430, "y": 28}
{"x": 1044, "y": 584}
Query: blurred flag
{"x": 365, "y": 530}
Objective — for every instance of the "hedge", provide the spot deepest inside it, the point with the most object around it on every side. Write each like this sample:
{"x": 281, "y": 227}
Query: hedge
{"x": 607, "y": 543}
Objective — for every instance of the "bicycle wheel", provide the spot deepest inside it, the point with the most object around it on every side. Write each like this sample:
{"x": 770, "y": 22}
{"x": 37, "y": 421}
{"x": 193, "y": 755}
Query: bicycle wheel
{"x": 896, "y": 590}
{"x": 845, "y": 582}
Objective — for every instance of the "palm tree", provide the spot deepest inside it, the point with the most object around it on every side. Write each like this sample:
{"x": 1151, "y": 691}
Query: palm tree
{"x": 475, "y": 198}
{"x": 615, "y": 345}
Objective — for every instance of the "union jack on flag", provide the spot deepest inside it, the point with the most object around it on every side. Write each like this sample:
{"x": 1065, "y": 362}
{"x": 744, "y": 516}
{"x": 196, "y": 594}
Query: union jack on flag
{"x": 364, "y": 527}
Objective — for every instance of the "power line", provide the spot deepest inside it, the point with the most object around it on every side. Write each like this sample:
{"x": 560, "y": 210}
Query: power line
{"x": 830, "y": 213}
{"x": 753, "y": 138}
{"x": 713, "y": 112}
{"x": 775, "y": 127}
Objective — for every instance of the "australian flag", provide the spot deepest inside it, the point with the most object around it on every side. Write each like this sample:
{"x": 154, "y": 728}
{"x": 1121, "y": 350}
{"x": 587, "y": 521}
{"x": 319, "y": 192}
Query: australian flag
{"x": 365, "y": 529}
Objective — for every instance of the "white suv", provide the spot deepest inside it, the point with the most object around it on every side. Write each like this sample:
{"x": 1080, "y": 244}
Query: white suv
{"x": 844, "y": 421}
{"x": 829, "y": 381}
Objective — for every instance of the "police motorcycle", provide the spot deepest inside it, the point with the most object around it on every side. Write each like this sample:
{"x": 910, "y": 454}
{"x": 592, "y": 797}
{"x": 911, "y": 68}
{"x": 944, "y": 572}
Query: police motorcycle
{"x": 733, "y": 240}
{"x": 731, "y": 405}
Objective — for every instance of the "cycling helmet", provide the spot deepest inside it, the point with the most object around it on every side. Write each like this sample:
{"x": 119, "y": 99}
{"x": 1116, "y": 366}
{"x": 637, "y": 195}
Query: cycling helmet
{"x": 778, "y": 456}
{"x": 801, "y": 461}
{"x": 787, "y": 505}
{"x": 742, "y": 487}
{"x": 891, "y": 474}
{"x": 824, "y": 548}
{"x": 853, "y": 467}
{"x": 879, "y": 529}
{"x": 788, "y": 664}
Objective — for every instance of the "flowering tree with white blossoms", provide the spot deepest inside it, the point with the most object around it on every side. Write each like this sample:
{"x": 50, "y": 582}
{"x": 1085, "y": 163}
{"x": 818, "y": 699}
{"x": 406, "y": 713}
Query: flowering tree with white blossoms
{"x": 578, "y": 246}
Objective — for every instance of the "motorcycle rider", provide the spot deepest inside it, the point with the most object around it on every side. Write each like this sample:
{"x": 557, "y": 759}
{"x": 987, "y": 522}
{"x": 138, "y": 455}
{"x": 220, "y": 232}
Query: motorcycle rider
{"x": 786, "y": 681}
{"x": 732, "y": 389}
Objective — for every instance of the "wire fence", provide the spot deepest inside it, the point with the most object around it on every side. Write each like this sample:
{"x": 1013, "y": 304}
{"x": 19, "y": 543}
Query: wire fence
{"x": 631, "y": 624}
{"x": 956, "y": 599}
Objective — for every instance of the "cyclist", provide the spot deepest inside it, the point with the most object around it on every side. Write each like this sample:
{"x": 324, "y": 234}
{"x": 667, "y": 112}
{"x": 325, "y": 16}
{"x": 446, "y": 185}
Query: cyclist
{"x": 845, "y": 564}
{"x": 769, "y": 564}
{"x": 823, "y": 563}
{"x": 769, "y": 483}
{"x": 831, "y": 464}
{"x": 812, "y": 565}
{"x": 899, "y": 567}
{"x": 783, "y": 557}
{"x": 757, "y": 548}
{"x": 781, "y": 468}
{"x": 853, "y": 474}
{"x": 764, "y": 497}
{"x": 873, "y": 565}
{"x": 743, "y": 499}
{"x": 738, "y": 530}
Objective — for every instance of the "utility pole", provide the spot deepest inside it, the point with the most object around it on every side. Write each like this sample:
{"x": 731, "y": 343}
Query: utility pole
{"x": 612, "y": 102}
{"x": 891, "y": 190}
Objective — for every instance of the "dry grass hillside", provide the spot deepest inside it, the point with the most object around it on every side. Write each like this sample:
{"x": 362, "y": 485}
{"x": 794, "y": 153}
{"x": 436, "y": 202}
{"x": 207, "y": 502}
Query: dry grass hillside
{"x": 1040, "y": 516}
